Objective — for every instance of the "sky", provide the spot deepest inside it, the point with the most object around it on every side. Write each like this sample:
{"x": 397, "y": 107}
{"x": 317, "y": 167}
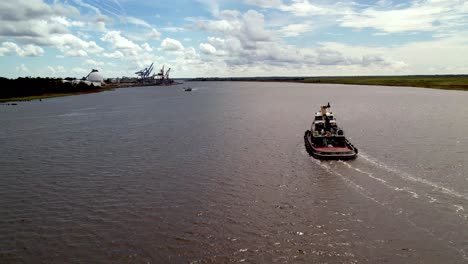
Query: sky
{"x": 221, "y": 38}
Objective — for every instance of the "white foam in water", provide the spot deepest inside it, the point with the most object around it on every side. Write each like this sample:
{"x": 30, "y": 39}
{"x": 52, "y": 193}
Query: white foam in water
{"x": 364, "y": 172}
{"x": 72, "y": 114}
{"x": 401, "y": 174}
{"x": 384, "y": 182}
{"x": 358, "y": 187}
{"x": 459, "y": 208}
{"x": 410, "y": 177}
{"x": 406, "y": 189}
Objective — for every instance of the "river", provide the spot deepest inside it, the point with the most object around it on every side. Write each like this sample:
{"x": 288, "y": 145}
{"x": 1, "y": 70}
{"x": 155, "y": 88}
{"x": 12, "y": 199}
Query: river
{"x": 221, "y": 175}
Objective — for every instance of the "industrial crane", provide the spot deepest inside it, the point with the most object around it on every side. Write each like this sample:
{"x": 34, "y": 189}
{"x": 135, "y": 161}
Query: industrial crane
{"x": 145, "y": 73}
{"x": 162, "y": 76}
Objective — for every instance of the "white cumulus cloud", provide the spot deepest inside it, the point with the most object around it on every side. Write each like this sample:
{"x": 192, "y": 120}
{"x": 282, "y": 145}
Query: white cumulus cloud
{"x": 94, "y": 62}
{"x": 119, "y": 42}
{"x": 427, "y": 15}
{"x": 169, "y": 44}
{"x": 114, "y": 55}
{"x": 294, "y": 30}
{"x": 29, "y": 50}
{"x": 146, "y": 47}
{"x": 207, "y": 49}
{"x": 264, "y": 3}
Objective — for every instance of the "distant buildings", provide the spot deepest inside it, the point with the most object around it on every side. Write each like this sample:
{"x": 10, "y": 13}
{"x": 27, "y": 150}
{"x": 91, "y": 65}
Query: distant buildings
{"x": 94, "y": 77}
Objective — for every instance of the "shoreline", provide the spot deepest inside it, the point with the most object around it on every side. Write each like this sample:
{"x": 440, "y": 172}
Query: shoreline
{"x": 458, "y": 83}
{"x": 52, "y": 95}
{"x": 441, "y": 82}
{"x": 108, "y": 87}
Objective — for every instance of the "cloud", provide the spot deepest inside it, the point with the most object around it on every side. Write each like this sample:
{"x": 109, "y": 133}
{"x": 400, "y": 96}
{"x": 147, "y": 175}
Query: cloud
{"x": 229, "y": 14}
{"x": 22, "y": 68}
{"x": 146, "y": 47}
{"x": 274, "y": 37}
{"x": 31, "y": 29}
{"x": 56, "y": 69}
{"x": 38, "y": 24}
{"x": 254, "y": 27}
{"x": 265, "y": 3}
{"x": 385, "y": 16}
{"x": 79, "y": 71}
{"x": 169, "y": 44}
{"x": 88, "y": 6}
{"x": 331, "y": 57}
{"x": 173, "y": 29}
{"x": 94, "y": 63}
{"x": 154, "y": 34}
{"x": 114, "y": 55}
{"x": 190, "y": 54}
{"x": 247, "y": 30}
{"x": 207, "y": 49}
{"x": 428, "y": 15}
{"x": 21, "y": 10}
{"x": 212, "y": 5}
{"x": 219, "y": 26}
{"x": 136, "y": 21}
{"x": 305, "y": 8}
{"x": 30, "y": 50}
{"x": 118, "y": 41}
{"x": 67, "y": 22}
{"x": 294, "y": 30}
{"x": 71, "y": 45}
{"x": 250, "y": 44}
{"x": 75, "y": 53}
{"x": 10, "y": 48}
{"x": 216, "y": 41}
{"x": 145, "y": 35}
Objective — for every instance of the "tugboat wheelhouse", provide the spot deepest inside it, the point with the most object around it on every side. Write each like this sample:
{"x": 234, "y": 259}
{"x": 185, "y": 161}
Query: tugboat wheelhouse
{"x": 325, "y": 140}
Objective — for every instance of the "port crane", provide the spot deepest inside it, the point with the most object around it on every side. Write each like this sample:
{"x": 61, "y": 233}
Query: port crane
{"x": 145, "y": 73}
{"x": 163, "y": 75}
{"x": 160, "y": 77}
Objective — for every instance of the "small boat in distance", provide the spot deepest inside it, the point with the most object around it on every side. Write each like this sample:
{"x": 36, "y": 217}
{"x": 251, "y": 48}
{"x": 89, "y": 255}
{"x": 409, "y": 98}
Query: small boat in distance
{"x": 187, "y": 89}
{"x": 325, "y": 140}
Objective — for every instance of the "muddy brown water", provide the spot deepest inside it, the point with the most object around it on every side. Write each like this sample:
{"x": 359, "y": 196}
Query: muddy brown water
{"x": 220, "y": 175}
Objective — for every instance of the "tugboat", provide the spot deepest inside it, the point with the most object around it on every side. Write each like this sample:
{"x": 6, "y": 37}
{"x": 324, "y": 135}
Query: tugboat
{"x": 325, "y": 140}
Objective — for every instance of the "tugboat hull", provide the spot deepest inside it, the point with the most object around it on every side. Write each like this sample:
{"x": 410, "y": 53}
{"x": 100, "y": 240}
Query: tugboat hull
{"x": 329, "y": 153}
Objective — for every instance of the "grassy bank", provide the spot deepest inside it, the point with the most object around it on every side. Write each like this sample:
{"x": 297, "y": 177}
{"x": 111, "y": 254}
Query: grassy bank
{"x": 446, "y": 82}
{"x": 50, "y": 95}
{"x": 29, "y": 88}
{"x": 449, "y": 82}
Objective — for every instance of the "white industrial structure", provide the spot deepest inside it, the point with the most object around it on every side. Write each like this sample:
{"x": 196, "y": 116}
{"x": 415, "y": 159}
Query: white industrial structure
{"x": 94, "y": 77}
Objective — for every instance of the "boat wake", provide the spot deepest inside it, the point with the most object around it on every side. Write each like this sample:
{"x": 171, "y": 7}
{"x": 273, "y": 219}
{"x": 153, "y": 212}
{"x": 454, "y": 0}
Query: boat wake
{"x": 357, "y": 174}
{"x": 407, "y": 176}
{"x": 425, "y": 204}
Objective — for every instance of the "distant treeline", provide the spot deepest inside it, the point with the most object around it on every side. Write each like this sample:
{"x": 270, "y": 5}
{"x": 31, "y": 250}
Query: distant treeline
{"x": 23, "y": 87}
{"x": 446, "y": 82}
{"x": 250, "y": 79}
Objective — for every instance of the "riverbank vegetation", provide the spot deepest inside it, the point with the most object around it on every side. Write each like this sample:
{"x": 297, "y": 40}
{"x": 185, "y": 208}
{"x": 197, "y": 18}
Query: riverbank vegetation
{"x": 446, "y": 82}
{"x": 28, "y": 88}
{"x": 23, "y": 89}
